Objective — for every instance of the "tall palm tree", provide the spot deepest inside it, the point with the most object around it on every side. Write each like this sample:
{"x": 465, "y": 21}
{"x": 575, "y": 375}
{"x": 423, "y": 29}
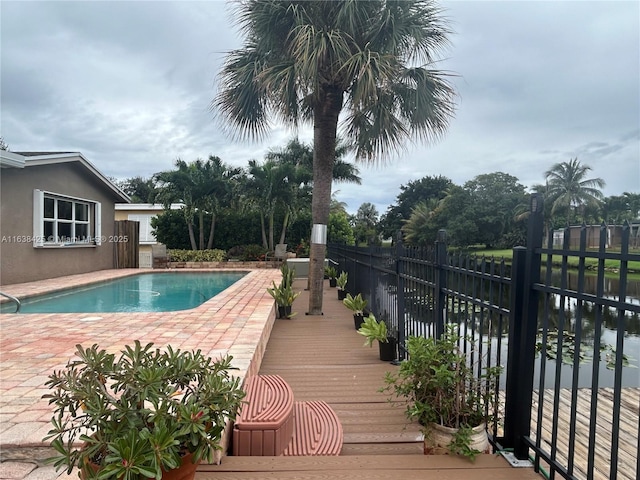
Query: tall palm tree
{"x": 568, "y": 188}
{"x": 308, "y": 62}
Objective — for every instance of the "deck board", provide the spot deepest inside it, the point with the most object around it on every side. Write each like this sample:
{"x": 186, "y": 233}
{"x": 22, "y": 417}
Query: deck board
{"x": 323, "y": 358}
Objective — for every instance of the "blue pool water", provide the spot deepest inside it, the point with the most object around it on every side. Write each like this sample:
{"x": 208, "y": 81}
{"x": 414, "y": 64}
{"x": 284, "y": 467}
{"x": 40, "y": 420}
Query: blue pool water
{"x": 150, "y": 292}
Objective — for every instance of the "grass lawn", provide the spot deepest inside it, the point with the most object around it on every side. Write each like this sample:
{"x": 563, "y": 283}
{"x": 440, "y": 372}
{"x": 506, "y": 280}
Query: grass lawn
{"x": 591, "y": 263}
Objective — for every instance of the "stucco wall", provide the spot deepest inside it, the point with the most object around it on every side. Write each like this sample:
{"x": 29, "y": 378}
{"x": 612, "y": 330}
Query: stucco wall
{"x": 21, "y": 262}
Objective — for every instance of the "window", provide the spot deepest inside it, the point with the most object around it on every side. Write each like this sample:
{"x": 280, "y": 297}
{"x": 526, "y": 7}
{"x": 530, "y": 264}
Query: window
{"x": 59, "y": 220}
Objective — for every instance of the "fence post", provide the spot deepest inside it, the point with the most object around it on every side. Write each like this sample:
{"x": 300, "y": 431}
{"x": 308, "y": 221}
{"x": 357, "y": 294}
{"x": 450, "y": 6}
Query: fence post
{"x": 441, "y": 282}
{"x": 513, "y": 399}
{"x": 523, "y": 326}
{"x": 400, "y": 298}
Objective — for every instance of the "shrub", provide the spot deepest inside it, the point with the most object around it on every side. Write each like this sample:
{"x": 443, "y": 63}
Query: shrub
{"x": 253, "y": 252}
{"x": 197, "y": 255}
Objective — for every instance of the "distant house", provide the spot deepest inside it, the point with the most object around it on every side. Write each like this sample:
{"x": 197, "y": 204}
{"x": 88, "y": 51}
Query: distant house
{"x": 143, "y": 213}
{"x": 57, "y": 216}
{"x": 613, "y": 237}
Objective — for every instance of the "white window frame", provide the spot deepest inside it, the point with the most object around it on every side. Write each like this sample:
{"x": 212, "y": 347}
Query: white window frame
{"x": 93, "y": 221}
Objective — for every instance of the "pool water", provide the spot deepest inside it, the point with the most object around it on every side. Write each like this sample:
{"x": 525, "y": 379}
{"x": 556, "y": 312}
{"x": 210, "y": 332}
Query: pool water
{"x": 149, "y": 292}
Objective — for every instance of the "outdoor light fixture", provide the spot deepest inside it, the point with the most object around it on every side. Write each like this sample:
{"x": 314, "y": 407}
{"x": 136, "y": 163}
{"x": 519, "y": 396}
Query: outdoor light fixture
{"x": 319, "y": 234}
{"x": 536, "y": 203}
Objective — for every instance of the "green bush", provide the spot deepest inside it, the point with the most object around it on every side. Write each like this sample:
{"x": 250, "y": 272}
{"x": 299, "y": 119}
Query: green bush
{"x": 251, "y": 253}
{"x": 214, "y": 255}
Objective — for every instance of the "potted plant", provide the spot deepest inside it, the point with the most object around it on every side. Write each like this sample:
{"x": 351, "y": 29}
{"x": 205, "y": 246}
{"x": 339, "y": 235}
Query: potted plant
{"x": 373, "y": 329}
{"x": 452, "y": 399}
{"x": 142, "y": 414}
{"x": 331, "y": 274}
{"x": 356, "y": 305}
{"x": 341, "y": 283}
{"x": 284, "y": 295}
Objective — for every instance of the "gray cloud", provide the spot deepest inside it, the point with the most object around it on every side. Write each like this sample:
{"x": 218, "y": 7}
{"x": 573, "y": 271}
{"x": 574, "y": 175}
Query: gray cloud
{"x": 129, "y": 84}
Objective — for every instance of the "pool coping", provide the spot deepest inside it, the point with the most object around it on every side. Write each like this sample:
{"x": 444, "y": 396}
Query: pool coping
{"x": 237, "y": 321}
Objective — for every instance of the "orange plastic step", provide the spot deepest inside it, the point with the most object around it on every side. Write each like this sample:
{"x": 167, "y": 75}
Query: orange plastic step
{"x": 318, "y": 430}
{"x": 265, "y": 424}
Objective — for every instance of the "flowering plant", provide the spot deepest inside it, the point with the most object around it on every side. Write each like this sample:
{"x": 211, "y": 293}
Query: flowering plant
{"x": 140, "y": 414}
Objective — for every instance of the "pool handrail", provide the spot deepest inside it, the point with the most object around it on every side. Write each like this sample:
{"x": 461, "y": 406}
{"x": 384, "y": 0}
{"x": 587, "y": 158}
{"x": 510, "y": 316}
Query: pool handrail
{"x": 13, "y": 299}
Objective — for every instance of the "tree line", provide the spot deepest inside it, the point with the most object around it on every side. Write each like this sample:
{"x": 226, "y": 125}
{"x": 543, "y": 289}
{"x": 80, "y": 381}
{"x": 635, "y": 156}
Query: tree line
{"x": 269, "y": 202}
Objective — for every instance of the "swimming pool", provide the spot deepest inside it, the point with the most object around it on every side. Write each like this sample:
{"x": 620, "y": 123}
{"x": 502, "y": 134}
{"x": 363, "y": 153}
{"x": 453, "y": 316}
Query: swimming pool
{"x": 147, "y": 292}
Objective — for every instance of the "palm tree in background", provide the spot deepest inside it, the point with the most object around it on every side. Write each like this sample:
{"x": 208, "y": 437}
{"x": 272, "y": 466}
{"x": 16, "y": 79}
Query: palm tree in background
{"x": 204, "y": 187}
{"x": 417, "y": 229}
{"x": 308, "y": 62}
{"x": 568, "y": 188}
{"x": 268, "y": 188}
{"x": 300, "y": 157}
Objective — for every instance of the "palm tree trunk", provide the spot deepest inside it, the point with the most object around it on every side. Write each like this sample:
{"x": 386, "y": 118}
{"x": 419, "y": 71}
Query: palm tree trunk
{"x": 284, "y": 227}
{"x": 211, "y": 230}
{"x": 271, "y": 246}
{"x": 264, "y": 232}
{"x": 201, "y": 229}
{"x": 325, "y": 124}
{"x": 192, "y": 236}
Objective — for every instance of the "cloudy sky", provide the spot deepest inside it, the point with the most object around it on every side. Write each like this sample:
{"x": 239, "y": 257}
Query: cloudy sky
{"x": 129, "y": 83}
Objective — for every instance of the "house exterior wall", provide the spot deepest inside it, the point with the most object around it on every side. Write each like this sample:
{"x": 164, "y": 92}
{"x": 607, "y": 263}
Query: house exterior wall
{"x": 20, "y": 261}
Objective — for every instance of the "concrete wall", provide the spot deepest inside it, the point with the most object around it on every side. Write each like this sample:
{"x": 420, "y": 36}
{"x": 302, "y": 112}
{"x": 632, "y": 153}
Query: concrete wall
{"x": 21, "y": 262}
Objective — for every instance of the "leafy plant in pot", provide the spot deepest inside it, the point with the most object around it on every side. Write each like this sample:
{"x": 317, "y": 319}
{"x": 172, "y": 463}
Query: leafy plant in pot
{"x": 341, "y": 283}
{"x": 331, "y": 274}
{"x": 357, "y": 305}
{"x": 143, "y": 414}
{"x": 373, "y": 329}
{"x": 283, "y": 294}
{"x": 452, "y": 399}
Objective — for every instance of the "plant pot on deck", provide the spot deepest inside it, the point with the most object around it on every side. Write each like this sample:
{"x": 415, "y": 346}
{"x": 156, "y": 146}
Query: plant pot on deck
{"x": 388, "y": 350}
{"x": 284, "y": 311}
{"x": 333, "y": 282}
{"x": 438, "y": 438}
{"x": 186, "y": 470}
{"x": 358, "y": 318}
{"x": 342, "y": 294}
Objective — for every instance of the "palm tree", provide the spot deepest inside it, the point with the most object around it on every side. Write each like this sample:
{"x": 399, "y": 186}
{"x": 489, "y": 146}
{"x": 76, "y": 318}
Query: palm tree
{"x": 267, "y": 188}
{"x": 218, "y": 179}
{"x": 308, "y": 62}
{"x": 177, "y": 186}
{"x": 417, "y": 229}
{"x": 568, "y": 188}
{"x": 203, "y": 187}
{"x": 300, "y": 157}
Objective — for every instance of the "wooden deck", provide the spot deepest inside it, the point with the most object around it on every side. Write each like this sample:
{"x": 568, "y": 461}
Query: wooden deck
{"x": 323, "y": 358}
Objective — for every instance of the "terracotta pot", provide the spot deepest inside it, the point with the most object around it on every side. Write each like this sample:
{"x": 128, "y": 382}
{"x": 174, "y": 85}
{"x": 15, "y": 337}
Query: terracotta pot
{"x": 439, "y": 437}
{"x": 186, "y": 470}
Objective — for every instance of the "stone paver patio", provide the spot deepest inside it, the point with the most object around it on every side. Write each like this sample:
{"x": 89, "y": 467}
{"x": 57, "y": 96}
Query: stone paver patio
{"x": 238, "y": 322}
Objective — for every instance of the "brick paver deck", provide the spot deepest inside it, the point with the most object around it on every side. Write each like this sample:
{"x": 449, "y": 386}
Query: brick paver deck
{"x": 238, "y": 322}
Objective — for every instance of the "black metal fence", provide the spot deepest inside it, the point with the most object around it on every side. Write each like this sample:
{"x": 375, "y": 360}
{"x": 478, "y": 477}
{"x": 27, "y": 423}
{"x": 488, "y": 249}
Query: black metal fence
{"x": 534, "y": 320}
